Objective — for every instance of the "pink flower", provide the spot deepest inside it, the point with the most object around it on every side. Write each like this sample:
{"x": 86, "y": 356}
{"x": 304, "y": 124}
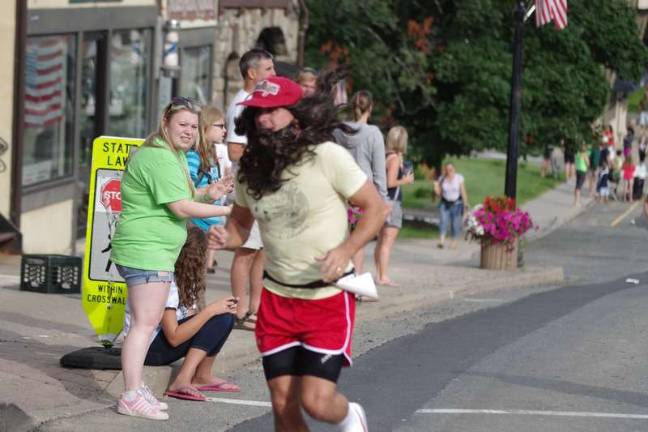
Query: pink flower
{"x": 498, "y": 221}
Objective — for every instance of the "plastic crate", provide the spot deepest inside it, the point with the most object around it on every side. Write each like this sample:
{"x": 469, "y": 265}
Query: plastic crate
{"x": 51, "y": 274}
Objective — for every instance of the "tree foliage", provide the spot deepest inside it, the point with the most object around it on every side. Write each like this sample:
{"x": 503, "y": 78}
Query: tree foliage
{"x": 388, "y": 55}
{"x": 442, "y": 68}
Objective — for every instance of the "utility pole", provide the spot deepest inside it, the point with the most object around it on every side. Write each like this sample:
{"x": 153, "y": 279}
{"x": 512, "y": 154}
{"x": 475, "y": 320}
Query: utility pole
{"x": 510, "y": 186}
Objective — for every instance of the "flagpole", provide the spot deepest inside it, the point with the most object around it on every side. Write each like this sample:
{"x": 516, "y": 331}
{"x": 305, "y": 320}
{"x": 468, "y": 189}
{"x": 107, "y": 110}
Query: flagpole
{"x": 510, "y": 186}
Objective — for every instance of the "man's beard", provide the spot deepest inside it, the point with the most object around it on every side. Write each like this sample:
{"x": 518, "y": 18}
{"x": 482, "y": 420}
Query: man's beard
{"x": 276, "y": 143}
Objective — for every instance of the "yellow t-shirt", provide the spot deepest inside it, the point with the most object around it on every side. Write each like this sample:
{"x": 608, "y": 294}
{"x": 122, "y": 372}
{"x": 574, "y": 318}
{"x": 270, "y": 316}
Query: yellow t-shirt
{"x": 305, "y": 218}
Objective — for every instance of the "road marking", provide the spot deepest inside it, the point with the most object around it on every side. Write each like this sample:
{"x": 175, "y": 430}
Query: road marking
{"x": 618, "y": 220}
{"x": 536, "y": 413}
{"x": 483, "y": 300}
{"x": 240, "y": 402}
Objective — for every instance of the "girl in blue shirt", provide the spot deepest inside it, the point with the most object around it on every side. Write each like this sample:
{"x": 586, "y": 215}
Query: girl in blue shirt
{"x": 204, "y": 167}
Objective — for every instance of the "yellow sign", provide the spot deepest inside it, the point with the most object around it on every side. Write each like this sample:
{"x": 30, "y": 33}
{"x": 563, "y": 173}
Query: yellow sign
{"x": 104, "y": 291}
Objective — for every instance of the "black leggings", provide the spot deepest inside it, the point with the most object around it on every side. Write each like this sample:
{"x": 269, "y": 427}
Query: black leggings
{"x": 210, "y": 338}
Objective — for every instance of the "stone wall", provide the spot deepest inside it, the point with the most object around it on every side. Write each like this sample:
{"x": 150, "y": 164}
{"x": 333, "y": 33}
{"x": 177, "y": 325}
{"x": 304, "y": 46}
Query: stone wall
{"x": 238, "y": 31}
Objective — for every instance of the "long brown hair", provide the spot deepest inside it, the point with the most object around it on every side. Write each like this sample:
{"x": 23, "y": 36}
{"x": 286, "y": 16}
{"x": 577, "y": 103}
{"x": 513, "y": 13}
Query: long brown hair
{"x": 190, "y": 268}
{"x": 204, "y": 147}
{"x": 361, "y": 102}
{"x": 268, "y": 154}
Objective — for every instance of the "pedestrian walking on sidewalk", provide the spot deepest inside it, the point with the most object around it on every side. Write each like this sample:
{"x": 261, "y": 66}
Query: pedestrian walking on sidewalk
{"x": 582, "y": 164}
{"x": 568, "y": 153}
{"x": 246, "y": 274}
{"x": 205, "y": 168}
{"x": 190, "y": 331}
{"x": 454, "y": 200}
{"x": 367, "y": 147}
{"x": 602, "y": 184}
{"x": 158, "y": 197}
{"x": 595, "y": 162}
{"x": 628, "y": 170}
{"x": 297, "y": 183}
{"x": 397, "y": 175}
{"x": 628, "y": 140}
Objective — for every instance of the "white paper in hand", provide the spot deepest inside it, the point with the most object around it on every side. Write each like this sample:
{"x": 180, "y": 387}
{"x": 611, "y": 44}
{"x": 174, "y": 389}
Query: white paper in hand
{"x": 361, "y": 284}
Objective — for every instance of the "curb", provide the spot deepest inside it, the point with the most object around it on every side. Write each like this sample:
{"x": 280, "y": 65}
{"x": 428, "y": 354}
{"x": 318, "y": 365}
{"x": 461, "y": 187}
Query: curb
{"x": 528, "y": 277}
{"x": 241, "y": 350}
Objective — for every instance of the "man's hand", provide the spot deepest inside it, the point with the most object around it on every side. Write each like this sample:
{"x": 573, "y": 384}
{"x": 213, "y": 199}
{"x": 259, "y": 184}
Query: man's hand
{"x": 217, "y": 237}
{"x": 334, "y": 263}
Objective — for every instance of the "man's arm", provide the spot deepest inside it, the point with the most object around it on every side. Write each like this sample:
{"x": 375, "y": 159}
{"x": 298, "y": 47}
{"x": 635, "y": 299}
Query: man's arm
{"x": 370, "y": 202}
{"x": 235, "y": 232}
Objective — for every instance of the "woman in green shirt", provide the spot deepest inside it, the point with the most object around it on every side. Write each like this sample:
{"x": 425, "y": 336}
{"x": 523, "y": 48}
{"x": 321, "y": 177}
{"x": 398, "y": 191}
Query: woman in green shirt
{"x": 581, "y": 163}
{"x": 157, "y": 198}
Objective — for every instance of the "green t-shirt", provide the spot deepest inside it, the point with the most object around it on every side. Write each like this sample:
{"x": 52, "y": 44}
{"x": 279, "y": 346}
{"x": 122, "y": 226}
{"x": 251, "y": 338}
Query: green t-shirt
{"x": 581, "y": 161}
{"x": 149, "y": 236}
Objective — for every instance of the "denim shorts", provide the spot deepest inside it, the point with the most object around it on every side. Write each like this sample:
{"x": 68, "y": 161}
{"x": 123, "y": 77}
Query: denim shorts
{"x": 134, "y": 276}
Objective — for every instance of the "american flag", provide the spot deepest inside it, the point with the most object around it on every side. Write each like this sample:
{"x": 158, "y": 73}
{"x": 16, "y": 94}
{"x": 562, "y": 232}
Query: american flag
{"x": 45, "y": 81}
{"x": 551, "y": 10}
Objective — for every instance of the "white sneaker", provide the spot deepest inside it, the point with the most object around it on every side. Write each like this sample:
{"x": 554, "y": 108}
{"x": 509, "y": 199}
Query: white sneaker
{"x": 360, "y": 423}
{"x": 138, "y": 406}
{"x": 150, "y": 397}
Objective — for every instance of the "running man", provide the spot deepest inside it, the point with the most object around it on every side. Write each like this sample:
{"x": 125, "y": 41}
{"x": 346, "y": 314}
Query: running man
{"x": 296, "y": 182}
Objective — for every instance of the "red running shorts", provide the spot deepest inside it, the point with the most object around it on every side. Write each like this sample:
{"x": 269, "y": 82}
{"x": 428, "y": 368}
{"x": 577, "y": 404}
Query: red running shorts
{"x": 323, "y": 326}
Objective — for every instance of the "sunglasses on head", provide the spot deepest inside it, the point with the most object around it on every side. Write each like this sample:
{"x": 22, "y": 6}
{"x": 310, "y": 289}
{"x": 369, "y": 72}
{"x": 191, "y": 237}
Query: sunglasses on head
{"x": 186, "y": 102}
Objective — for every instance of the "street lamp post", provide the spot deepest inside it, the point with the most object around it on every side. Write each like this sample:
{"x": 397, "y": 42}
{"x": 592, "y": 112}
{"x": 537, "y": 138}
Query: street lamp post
{"x": 510, "y": 185}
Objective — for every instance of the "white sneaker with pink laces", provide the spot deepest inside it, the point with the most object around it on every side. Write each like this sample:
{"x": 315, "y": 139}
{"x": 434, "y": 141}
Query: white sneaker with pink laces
{"x": 150, "y": 397}
{"x": 133, "y": 403}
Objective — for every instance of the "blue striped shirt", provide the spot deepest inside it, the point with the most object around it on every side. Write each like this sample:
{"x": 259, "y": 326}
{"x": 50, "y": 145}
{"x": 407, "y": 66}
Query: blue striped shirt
{"x": 201, "y": 180}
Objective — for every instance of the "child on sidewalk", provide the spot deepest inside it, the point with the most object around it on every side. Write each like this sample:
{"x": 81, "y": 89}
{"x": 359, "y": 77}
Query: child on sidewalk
{"x": 602, "y": 187}
{"x": 185, "y": 331}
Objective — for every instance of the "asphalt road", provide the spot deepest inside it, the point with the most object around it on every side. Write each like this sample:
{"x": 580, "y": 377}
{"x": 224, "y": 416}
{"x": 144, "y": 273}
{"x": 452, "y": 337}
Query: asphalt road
{"x": 557, "y": 358}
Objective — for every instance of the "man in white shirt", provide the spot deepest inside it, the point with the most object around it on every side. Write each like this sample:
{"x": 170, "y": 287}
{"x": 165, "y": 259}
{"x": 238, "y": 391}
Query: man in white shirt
{"x": 247, "y": 267}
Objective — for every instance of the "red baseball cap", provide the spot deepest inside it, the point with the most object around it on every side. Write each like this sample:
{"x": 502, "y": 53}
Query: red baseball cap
{"x": 274, "y": 92}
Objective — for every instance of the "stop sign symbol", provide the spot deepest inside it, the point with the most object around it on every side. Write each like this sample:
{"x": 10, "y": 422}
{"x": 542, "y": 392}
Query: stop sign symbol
{"x": 111, "y": 195}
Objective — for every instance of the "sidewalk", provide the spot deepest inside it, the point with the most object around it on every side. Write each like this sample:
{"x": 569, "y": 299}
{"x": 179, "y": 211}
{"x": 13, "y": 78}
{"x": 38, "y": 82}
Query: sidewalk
{"x": 37, "y": 329}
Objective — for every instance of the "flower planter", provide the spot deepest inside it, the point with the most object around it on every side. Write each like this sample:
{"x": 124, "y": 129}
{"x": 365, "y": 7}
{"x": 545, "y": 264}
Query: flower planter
{"x": 498, "y": 256}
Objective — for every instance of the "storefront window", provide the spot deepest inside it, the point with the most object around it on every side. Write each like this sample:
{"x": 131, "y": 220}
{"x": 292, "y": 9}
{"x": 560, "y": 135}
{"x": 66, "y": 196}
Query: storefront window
{"x": 128, "y": 98}
{"x": 196, "y": 73}
{"x": 48, "y": 134}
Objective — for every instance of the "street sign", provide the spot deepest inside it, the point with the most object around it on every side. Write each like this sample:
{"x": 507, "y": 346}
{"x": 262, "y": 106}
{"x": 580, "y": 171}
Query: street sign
{"x": 104, "y": 291}
{"x": 111, "y": 195}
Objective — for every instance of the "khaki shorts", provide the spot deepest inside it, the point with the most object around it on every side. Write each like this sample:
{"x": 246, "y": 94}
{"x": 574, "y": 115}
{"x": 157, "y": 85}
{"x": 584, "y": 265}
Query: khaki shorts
{"x": 254, "y": 239}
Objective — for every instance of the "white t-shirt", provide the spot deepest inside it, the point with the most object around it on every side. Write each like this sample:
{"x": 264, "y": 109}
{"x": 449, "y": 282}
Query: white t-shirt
{"x": 223, "y": 158}
{"x": 173, "y": 302}
{"x": 233, "y": 112}
{"x": 451, "y": 189}
{"x": 640, "y": 171}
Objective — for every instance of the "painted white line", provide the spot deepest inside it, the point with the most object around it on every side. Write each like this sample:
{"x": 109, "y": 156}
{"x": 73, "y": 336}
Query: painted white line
{"x": 240, "y": 402}
{"x": 536, "y": 413}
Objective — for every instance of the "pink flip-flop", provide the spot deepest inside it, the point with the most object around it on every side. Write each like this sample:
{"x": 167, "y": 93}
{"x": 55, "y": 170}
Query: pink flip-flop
{"x": 224, "y": 387}
{"x": 186, "y": 393}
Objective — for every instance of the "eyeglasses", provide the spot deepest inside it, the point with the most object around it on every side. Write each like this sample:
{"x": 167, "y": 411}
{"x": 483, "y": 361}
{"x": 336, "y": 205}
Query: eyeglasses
{"x": 219, "y": 125}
